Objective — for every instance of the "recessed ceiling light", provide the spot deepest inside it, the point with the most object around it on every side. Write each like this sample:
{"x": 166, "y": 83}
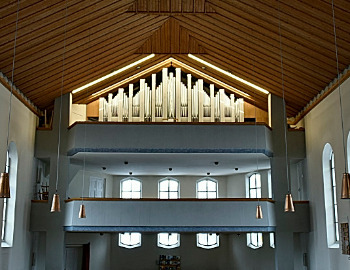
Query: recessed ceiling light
{"x": 228, "y": 74}
{"x": 113, "y": 73}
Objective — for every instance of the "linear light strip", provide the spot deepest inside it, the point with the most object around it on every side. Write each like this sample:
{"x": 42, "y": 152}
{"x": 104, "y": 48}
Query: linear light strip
{"x": 228, "y": 74}
{"x": 175, "y": 62}
{"x": 216, "y": 81}
{"x": 113, "y": 73}
{"x": 110, "y": 88}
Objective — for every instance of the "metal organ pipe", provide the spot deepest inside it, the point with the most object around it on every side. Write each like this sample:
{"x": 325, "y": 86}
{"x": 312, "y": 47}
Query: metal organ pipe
{"x": 171, "y": 100}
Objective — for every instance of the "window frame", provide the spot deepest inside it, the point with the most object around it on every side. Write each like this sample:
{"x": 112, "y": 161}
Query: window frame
{"x": 255, "y": 237}
{"x": 334, "y": 196}
{"x": 129, "y": 246}
{"x": 206, "y": 246}
{"x": 207, "y": 179}
{"x": 9, "y": 204}
{"x": 168, "y": 246}
{"x": 128, "y": 179}
{"x": 169, "y": 191}
{"x": 249, "y": 188}
{"x": 330, "y": 198}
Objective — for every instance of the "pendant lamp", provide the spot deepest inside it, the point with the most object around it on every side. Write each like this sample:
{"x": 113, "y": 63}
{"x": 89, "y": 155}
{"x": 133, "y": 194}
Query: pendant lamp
{"x": 288, "y": 205}
{"x": 5, "y": 178}
{"x": 259, "y": 214}
{"x": 55, "y": 207}
{"x": 345, "y": 188}
{"x": 82, "y": 211}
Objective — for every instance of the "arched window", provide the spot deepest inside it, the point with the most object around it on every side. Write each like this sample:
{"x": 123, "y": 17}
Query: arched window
{"x": 330, "y": 196}
{"x": 130, "y": 239}
{"x": 254, "y": 185}
{"x": 130, "y": 188}
{"x": 207, "y": 240}
{"x": 8, "y": 215}
{"x": 168, "y": 240}
{"x": 168, "y": 188}
{"x": 207, "y": 188}
{"x": 254, "y": 240}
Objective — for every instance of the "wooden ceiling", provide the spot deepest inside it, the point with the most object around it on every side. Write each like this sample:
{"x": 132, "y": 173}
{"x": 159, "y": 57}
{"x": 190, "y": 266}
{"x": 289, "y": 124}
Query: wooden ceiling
{"x": 96, "y": 37}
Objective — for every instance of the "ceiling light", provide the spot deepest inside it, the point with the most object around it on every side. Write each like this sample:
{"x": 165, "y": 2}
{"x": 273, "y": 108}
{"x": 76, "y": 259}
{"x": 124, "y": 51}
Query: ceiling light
{"x": 228, "y": 74}
{"x": 113, "y": 73}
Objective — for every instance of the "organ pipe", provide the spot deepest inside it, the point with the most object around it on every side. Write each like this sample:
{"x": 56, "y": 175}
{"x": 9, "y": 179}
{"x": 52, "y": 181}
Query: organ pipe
{"x": 171, "y": 100}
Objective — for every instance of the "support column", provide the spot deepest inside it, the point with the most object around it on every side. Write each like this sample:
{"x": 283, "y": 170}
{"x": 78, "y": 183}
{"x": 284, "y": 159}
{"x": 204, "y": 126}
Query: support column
{"x": 284, "y": 254}
{"x": 55, "y": 245}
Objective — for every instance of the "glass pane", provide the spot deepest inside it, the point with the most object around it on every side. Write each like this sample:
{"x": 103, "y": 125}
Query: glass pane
{"x": 272, "y": 240}
{"x": 252, "y": 181}
{"x": 253, "y": 193}
{"x": 163, "y": 185}
{"x": 173, "y": 238}
{"x": 258, "y": 180}
{"x": 211, "y": 195}
{"x": 202, "y": 239}
{"x": 136, "y": 195}
{"x": 173, "y": 195}
{"x": 211, "y": 239}
{"x": 136, "y": 185}
{"x": 173, "y": 185}
{"x": 126, "y": 195}
{"x": 260, "y": 239}
{"x": 135, "y": 238}
{"x": 258, "y": 193}
{"x": 211, "y": 185}
{"x": 163, "y": 195}
{"x": 163, "y": 238}
{"x": 335, "y": 213}
{"x": 254, "y": 239}
{"x": 126, "y": 185}
{"x": 334, "y": 195}
{"x": 202, "y": 185}
{"x": 201, "y": 195}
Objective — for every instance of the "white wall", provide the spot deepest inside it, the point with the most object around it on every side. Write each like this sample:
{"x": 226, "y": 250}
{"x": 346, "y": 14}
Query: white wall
{"x": 75, "y": 186}
{"x": 323, "y": 125}
{"x": 187, "y": 185}
{"x": 237, "y": 185}
{"x": 22, "y": 132}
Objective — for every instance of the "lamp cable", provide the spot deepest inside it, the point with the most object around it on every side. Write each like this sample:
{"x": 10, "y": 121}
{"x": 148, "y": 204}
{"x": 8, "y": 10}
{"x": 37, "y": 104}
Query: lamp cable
{"x": 12, "y": 85}
{"x": 338, "y": 78}
{"x": 283, "y": 97}
{"x": 61, "y": 99}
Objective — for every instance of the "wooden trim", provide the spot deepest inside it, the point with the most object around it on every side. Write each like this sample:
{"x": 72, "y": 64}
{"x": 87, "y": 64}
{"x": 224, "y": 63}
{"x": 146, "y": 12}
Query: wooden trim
{"x": 40, "y": 201}
{"x": 172, "y": 123}
{"x": 317, "y": 101}
{"x": 172, "y": 200}
{"x": 301, "y": 202}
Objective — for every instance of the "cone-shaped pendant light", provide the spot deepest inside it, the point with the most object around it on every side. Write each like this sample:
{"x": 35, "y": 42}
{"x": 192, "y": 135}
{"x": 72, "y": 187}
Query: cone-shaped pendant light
{"x": 259, "y": 214}
{"x": 4, "y": 185}
{"x": 82, "y": 211}
{"x": 5, "y": 178}
{"x": 288, "y": 205}
{"x": 345, "y": 187}
{"x": 55, "y": 207}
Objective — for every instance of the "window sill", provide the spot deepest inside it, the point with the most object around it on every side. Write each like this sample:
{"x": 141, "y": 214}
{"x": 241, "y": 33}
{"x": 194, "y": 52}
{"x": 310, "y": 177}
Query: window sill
{"x": 334, "y": 245}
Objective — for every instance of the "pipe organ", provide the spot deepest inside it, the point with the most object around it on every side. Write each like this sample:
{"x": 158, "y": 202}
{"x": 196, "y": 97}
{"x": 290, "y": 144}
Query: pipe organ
{"x": 171, "y": 100}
